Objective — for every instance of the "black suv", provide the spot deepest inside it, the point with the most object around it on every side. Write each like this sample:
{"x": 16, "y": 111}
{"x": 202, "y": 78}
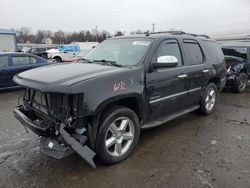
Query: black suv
{"x": 125, "y": 84}
{"x": 237, "y": 56}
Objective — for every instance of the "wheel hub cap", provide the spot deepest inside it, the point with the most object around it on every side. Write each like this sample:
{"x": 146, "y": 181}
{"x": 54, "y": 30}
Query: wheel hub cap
{"x": 210, "y": 99}
{"x": 119, "y": 137}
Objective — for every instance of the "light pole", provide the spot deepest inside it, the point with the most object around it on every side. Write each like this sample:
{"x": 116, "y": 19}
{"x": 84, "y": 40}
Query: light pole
{"x": 153, "y": 27}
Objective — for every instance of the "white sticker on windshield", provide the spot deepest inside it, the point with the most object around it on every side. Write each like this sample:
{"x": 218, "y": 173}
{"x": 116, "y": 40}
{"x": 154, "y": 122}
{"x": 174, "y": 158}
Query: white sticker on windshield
{"x": 141, "y": 43}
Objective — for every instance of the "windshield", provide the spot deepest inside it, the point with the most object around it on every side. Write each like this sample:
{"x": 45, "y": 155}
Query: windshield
{"x": 125, "y": 52}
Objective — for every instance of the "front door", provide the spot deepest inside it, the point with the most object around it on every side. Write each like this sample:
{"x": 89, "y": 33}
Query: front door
{"x": 167, "y": 87}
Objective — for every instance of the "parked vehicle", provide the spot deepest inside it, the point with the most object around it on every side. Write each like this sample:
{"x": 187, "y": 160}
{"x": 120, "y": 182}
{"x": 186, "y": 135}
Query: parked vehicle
{"x": 63, "y": 52}
{"x": 238, "y": 73}
{"x": 7, "y": 41}
{"x": 238, "y": 48}
{"x": 40, "y": 51}
{"x": 237, "y": 54}
{"x": 14, "y": 62}
{"x": 126, "y": 83}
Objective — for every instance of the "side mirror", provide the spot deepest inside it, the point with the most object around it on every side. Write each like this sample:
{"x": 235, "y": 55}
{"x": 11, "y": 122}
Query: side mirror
{"x": 166, "y": 61}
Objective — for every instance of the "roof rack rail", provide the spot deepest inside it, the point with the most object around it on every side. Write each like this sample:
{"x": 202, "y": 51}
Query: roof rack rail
{"x": 178, "y": 33}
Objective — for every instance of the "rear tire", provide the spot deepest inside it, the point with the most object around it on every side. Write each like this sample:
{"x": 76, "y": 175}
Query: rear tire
{"x": 118, "y": 135}
{"x": 208, "y": 99}
{"x": 240, "y": 86}
{"x": 58, "y": 59}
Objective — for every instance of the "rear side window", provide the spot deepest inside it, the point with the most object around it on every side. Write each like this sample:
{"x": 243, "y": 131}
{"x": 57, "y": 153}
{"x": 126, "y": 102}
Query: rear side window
{"x": 4, "y": 61}
{"x": 170, "y": 49}
{"x": 20, "y": 60}
{"x": 32, "y": 60}
{"x": 194, "y": 55}
{"x": 41, "y": 49}
{"x": 213, "y": 51}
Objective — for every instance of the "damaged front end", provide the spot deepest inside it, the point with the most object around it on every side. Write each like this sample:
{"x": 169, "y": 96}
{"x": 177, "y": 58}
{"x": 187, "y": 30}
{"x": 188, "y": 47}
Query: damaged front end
{"x": 59, "y": 119}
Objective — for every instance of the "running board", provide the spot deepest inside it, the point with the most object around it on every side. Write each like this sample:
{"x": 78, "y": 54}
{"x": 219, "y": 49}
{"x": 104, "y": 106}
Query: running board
{"x": 160, "y": 121}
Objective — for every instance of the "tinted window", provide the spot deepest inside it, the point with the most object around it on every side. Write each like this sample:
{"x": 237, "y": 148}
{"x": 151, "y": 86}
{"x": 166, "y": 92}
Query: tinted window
{"x": 41, "y": 49}
{"x": 193, "y": 52}
{"x": 20, "y": 60}
{"x": 171, "y": 49}
{"x": 4, "y": 61}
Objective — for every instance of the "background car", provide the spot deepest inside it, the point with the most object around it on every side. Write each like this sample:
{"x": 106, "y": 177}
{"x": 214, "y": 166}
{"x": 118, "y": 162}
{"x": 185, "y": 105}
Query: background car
{"x": 15, "y": 62}
{"x": 237, "y": 48}
{"x": 62, "y": 52}
{"x": 39, "y": 51}
{"x": 238, "y": 73}
{"x": 237, "y": 55}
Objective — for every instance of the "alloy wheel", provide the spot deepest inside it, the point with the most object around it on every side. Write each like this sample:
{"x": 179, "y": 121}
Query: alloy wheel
{"x": 120, "y": 136}
{"x": 210, "y": 99}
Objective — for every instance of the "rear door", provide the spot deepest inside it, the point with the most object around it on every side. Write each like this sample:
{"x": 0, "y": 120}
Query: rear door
{"x": 198, "y": 73}
{"x": 167, "y": 87}
{"x": 5, "y": 77}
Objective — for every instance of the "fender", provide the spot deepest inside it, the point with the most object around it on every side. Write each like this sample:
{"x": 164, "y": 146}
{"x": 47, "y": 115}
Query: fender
{"x": 115, "y": 99}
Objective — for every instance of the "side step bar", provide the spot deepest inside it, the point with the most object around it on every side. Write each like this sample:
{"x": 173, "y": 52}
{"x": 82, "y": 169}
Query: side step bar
{"x": 160, "y": 121}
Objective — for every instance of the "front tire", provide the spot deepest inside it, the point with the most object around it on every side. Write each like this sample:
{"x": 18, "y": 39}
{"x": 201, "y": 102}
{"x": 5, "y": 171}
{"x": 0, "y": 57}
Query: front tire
{"x": 241, "y": 85}
{"x": 118, "y": 135}
{"x": 208, "y": 99}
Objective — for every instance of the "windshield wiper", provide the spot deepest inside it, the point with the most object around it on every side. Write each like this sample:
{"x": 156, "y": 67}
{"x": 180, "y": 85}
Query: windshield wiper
{"x": 87, "y": 60}
{"x": 108, "y": 62}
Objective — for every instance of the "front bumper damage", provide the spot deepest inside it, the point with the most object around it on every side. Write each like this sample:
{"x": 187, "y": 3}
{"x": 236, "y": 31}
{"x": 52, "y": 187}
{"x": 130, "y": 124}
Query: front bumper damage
{"x": 60, "y": 147}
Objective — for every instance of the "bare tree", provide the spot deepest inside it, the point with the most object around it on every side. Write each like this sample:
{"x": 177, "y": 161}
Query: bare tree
{"x": 59, "y": 37}
{"x": 40, "y": 35}
{"x": 24, "y": 34}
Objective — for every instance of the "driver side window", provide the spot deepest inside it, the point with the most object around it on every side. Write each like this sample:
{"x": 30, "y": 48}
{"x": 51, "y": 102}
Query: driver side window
{"x": 170, "y": 49}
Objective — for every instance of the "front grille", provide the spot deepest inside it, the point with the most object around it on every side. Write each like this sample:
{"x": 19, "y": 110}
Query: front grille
{"x": 55, "y": 105}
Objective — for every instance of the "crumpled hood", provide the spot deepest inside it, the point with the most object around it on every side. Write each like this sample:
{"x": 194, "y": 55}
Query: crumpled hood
{"x": 59, "y": 77}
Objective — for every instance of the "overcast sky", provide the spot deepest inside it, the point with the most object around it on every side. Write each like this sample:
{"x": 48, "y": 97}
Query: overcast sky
{"x": 197, "y": 16}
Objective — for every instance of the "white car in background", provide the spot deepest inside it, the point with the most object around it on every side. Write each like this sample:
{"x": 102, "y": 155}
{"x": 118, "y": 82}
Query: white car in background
{"x": 63, "y": 52}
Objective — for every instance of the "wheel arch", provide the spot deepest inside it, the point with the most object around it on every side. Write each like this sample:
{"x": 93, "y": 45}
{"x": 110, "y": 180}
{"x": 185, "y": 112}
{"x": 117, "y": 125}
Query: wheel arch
{"x": 133, "y": 101}
{"x": 55, "y": 57}
{"x": 216, "y": 81}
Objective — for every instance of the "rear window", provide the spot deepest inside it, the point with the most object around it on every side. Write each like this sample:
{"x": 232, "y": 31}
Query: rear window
{"x": 213, "y": 51}
{"x": 4, "y": 61}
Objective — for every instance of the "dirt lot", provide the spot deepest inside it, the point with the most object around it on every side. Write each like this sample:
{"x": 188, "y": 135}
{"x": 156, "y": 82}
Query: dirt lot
{"x": 192, "y": 151}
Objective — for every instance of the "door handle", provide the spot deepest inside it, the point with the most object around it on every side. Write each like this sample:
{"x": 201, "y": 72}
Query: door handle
{"x": 206, "y": 70}
{"x": 182, "y": 76}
